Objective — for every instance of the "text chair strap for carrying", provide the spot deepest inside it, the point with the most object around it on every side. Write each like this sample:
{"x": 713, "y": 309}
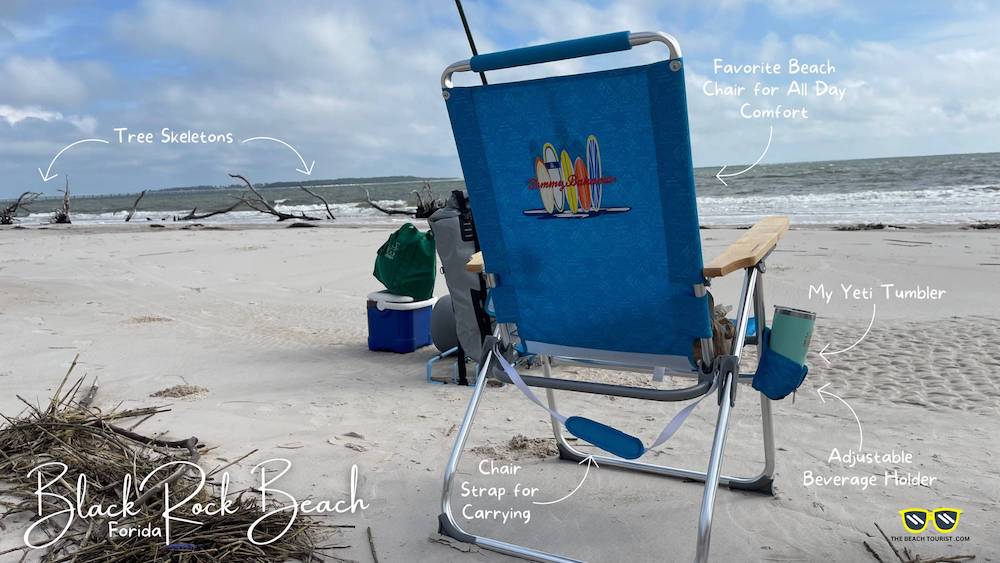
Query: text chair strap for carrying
{"x": 603, "y": 436}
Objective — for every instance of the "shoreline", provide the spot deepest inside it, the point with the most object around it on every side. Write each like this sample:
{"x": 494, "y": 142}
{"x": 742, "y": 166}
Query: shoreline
{"x": 391, "y": 225}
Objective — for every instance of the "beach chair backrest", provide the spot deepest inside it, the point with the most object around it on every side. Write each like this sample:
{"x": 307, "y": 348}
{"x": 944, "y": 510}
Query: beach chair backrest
{"x": 583, "y": 194}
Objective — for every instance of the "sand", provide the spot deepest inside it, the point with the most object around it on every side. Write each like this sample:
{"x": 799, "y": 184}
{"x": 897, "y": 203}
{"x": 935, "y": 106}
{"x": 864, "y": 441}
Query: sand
{"x": 271, "y": 322}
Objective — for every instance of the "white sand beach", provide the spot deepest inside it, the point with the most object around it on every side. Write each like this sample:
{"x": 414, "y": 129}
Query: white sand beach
{"x": 272, "y": 323}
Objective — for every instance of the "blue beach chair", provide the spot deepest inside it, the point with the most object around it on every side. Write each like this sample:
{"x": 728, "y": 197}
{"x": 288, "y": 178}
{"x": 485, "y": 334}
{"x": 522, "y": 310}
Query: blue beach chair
{"x": 583, "y": 194}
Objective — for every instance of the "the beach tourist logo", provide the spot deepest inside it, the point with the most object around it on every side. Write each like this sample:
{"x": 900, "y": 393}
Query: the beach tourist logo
{"x": 916, "y": 520}
{"x": 571, "y": 188}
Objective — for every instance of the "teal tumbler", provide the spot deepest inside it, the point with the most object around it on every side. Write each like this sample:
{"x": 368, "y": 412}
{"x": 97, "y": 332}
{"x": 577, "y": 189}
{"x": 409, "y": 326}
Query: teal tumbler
{"x": 791, "y": 331}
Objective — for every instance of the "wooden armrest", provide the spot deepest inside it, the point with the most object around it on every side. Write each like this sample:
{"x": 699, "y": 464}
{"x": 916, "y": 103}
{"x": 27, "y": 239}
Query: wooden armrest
{"x": 749, "y": 248}
{"x": 475, "y": 263}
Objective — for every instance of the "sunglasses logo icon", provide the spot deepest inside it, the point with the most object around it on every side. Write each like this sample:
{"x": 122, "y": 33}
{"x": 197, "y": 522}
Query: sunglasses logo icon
{"x": 945, "y": 520}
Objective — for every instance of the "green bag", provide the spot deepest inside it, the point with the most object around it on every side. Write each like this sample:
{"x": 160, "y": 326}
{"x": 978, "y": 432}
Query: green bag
{"x": 407, "y": 263}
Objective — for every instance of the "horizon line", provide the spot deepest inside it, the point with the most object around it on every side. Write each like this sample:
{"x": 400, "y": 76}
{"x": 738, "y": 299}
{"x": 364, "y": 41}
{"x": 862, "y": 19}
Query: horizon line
{"x": 462, "y": 179}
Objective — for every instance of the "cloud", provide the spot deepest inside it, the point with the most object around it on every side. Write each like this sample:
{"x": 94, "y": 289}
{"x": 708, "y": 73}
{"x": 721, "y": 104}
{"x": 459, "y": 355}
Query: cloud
{"x": 44, "y": 80}
{"x": 797, "y": 8}
{"x": 806, "y": 44}
{"x": 6, "y": 35}
{"x": 13, "y": 115}
{"x": 355, "y": 85}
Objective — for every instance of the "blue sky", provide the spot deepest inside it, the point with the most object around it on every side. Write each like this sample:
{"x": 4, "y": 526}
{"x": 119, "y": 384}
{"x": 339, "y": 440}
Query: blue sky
{"x": 353, "y": 84}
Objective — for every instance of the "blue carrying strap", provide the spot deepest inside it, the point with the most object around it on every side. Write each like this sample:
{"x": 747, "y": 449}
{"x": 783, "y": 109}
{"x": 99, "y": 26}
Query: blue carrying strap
{"x": 601, "y": 435}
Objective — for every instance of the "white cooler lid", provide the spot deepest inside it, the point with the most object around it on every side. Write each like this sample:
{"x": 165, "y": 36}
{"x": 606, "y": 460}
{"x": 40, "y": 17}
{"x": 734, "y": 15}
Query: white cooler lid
{"x": 385, "y": 300}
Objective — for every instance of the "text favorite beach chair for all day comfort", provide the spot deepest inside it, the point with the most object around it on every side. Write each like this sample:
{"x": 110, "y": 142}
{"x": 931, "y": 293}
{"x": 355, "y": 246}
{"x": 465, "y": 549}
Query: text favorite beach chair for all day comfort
{"x": 583, "y": 194}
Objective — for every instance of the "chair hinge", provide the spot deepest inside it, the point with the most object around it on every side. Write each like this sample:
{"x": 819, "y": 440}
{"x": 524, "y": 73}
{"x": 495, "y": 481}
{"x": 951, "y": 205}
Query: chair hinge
{"x": 727, "y": 366}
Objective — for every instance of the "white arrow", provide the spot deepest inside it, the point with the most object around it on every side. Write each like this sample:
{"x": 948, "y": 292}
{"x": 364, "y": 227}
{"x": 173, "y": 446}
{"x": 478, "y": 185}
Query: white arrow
{"x": 45, "y": 175}
{"x": 823, "y": 353}
{"x": 719, "y": 175}
{"x": 590, "y": 460}
{"x": 306, "y": 169}
{"x": 861, "y": 434}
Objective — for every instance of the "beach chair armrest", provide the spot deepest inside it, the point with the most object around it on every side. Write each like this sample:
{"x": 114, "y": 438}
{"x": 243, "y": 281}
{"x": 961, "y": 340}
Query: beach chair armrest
{"x": 475, "y": 263}
{"x": 750, "y": 248}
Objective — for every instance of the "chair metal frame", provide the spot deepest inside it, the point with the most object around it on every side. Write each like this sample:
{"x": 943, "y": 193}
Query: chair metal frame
{"x": 723, "y": 374}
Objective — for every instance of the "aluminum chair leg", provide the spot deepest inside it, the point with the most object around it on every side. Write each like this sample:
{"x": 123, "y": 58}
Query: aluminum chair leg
{"x": 713, "y": 474}
{"x": 446, "y": 520}
{"x": 760, "y": 313}
{"x": 712, "y": 478}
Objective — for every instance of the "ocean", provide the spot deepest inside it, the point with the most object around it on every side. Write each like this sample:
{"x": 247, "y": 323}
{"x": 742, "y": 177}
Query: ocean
{"x": 923, "y": 190}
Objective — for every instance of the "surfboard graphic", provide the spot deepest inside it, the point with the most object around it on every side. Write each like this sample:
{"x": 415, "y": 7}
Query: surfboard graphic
{"x": 594, "y": 172}
{"x": 542, "y": 175}
{"x": 543, "y": 214}
{"x": 567, "y": 177}
{"x": 582, "y": 184}
{"x": 551, "y": 160}
{"x": 576, "y": 182}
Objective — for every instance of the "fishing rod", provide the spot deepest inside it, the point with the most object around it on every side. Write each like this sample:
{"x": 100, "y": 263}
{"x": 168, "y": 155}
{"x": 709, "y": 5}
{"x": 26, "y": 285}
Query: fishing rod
{"x": 468, "y": 34}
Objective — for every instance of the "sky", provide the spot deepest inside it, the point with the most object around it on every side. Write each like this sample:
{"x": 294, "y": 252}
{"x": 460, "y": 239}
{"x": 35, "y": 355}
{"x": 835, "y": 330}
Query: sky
{"x": 354, "y": 85}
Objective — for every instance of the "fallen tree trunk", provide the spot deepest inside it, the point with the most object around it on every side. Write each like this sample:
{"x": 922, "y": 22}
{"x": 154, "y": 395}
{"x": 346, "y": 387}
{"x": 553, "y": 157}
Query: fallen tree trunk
{"x": 258, "y": 203}
{"x": 193, "y": 216}
{"x": 387, "y": 211}
{"x": 424, "y": 209}
{"x": 326, "y": 204}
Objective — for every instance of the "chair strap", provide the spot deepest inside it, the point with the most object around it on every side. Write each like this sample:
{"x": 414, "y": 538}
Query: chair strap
{"x": 668, "y": 431}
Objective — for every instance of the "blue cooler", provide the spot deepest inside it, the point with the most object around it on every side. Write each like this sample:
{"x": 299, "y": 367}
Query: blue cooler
{"x": 397, "y": 323}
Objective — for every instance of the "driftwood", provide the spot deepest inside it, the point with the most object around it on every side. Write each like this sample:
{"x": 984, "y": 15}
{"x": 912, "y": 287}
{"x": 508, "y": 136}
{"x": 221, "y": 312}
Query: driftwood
{"x": 193, "y": 215}
{"x": 61, "y": 216}
{"x": 326, "y": 204}
{"x": 385, "y": 210}
{"x": 135, "y": 206}
{"x": 424, "y": 207}
{"x": 257, "y": 202}
{"x": 7, "y": 214}
{"x": 371, "y": 544}
{"x": 254, "y": 200}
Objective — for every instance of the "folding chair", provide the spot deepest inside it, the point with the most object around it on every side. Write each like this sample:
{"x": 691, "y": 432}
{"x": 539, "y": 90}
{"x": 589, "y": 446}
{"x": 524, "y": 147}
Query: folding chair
{"x": 583, "y": 194}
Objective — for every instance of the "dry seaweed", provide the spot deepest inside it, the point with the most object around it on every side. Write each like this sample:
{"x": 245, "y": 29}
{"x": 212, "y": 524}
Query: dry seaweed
{"x": 90, "y": 442}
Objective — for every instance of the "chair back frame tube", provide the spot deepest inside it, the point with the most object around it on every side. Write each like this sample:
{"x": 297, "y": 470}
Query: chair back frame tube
{"x": 707, "y": 344}
{"x": 634, "y": 39}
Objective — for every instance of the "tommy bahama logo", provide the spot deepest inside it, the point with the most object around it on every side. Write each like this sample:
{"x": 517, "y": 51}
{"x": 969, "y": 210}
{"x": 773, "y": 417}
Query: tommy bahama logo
{"x": 571, "y": 188}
